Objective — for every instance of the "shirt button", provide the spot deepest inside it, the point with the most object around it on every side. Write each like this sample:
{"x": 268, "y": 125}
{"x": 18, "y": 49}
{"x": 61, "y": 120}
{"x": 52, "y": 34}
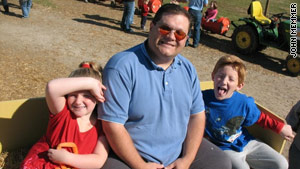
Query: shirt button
{"x": 167, "y": 83}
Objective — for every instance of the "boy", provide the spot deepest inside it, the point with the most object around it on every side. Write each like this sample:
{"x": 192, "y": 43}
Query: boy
{"x": 293, "y": 118}
{"x": 228, "y": 112}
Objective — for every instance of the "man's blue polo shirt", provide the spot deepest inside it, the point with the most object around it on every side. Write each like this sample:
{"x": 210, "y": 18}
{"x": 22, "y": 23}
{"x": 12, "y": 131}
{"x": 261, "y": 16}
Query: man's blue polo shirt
{"x": 153, "y": 104}
{"x": 197, "y": 4}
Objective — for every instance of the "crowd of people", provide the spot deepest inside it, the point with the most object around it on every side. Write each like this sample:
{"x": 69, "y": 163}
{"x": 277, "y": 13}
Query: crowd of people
{"x": 24, "y": 4}
{"x": 146, "y": 110}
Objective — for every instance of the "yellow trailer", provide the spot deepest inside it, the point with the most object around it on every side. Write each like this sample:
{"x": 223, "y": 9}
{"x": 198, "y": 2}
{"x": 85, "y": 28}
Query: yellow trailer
{"x": 23, "y": 122}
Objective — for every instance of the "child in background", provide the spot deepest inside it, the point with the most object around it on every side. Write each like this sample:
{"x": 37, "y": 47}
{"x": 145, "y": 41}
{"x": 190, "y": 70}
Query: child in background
{"x": 71, "y": 102}
{"x": 144, "y": 13}
{"x": 228, "y": 112}
{"x": 293, "y": 118}
{"x": 211, "y": 12}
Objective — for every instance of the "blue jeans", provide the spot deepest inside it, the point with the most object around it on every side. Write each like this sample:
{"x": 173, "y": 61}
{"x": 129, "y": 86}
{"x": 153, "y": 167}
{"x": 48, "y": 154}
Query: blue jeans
{"x": 128, "y": 14}
{"x": 197, "y": 16}
{"x": 25, "y": 6}
{"x": 4, "y": 2}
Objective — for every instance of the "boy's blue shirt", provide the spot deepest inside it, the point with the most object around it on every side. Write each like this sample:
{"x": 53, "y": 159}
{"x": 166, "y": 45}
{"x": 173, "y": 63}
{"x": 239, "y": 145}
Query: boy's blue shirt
{"x": 226, "y": 119}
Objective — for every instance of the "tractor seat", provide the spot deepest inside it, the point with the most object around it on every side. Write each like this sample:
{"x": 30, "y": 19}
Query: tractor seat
{"x": 257, "y": 13}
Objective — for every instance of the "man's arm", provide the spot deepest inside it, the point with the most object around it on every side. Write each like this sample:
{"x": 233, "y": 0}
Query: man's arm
{"x": 192, "y": 141}
{"x": 194, "y": 136}
{"x": 121, "y": 143}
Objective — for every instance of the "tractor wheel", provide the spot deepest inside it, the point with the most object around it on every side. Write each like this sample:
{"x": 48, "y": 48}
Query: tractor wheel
{"x": 261, "y": 47}
{"x": 245, "y": 39}
{"x": 293, "y": 65}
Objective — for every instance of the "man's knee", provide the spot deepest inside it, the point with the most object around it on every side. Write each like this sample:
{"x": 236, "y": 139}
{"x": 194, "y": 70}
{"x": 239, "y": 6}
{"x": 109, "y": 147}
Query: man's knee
{"x": 113, "y": 161}
{"x": 210, "y": 156}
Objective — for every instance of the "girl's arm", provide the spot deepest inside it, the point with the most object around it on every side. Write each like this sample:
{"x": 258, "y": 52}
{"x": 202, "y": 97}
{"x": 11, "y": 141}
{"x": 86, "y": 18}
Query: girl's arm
{"x": 94, "y": 160}
{"x": 57, "y": 89}
{"x": 284, "y": 130}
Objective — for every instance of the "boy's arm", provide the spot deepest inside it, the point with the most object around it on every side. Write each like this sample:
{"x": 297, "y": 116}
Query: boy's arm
{"x": 284, "y": 130}
{"x": 93, "y": 160}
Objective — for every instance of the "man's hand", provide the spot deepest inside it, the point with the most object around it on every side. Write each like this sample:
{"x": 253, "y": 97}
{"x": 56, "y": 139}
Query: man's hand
{"x": 152, "y": 165}
{"x": 178, "y": 164}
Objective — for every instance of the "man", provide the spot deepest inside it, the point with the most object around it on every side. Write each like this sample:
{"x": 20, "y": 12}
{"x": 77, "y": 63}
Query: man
{"x": 195, "y": 9}
{"x": 153, "y": 116}
{"x": 26, "y": 7}
{"x": 128, "y": 13}
{"x": 5, "y": 6}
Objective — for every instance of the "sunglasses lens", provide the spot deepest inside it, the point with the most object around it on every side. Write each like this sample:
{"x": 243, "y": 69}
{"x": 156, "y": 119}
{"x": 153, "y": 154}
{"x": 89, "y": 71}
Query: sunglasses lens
{"x": 179, "y": 35}
{"x": 164, "y": 31}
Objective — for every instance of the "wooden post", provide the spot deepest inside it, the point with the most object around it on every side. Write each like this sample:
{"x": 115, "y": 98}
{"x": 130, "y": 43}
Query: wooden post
{"x": 267, "y": 7}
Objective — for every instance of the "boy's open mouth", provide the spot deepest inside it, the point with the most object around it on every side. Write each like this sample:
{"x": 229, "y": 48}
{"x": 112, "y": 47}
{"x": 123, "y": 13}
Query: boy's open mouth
{"x": 222, "y": 90}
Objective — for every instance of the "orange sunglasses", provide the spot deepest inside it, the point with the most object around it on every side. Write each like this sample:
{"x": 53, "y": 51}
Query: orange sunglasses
{"x": 179, "y": 34}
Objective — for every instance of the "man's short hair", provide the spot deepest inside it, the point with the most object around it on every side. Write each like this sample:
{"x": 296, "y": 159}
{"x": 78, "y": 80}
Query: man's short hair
{"x": 171, "y": 9}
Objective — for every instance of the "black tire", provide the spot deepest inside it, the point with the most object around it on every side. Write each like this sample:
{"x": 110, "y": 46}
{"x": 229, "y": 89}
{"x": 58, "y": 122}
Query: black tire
{"x": 261, "y": 47}
{"x": 245, "y": 40}
{"x": 293, "y": 65}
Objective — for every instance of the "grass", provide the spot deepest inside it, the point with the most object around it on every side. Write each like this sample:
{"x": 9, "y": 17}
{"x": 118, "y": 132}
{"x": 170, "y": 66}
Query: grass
{"x": 233, "y": 9}
{"x": 45, "y": 3}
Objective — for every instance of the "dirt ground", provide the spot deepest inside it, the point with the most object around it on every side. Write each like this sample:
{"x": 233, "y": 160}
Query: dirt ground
{"x": 53, "y": 41}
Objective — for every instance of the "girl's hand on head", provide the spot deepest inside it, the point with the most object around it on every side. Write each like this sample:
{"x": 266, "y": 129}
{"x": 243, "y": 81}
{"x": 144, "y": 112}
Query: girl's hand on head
{"x": 97, "y": 91}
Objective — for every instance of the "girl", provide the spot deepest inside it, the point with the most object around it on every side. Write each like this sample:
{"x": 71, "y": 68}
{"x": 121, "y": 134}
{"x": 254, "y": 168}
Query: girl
{"x": 71, "y": 102}
{"x": 211, "y": 12}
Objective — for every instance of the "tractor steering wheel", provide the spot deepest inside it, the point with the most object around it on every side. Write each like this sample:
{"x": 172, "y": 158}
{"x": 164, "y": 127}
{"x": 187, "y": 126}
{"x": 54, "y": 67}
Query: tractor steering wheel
{"x": 276, "y": 17}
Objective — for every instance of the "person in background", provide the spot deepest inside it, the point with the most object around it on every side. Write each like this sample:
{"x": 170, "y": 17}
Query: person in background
{"x": 128, "y": 14}
{"x": 153, "y": 115}
{"x": 228, "y": 112}
{"x": 71, "y": 102}
{"x": 144, "y": 13}
{"x": 26, "y": 7}
{"x": 293, "y": 118}
{"x": 211, "y": 12}
{"x": 195, "y": 10}
{"x": 5, "y": 6}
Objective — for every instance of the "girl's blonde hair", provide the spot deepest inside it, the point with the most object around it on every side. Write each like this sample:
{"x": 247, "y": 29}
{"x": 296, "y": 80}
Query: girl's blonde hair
{"x": 235, "y": 62}
{"x": 88, "y": 69}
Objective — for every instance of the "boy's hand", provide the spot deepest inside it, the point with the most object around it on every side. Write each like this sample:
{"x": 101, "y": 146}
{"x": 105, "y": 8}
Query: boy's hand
{"x": 287, "y": 132}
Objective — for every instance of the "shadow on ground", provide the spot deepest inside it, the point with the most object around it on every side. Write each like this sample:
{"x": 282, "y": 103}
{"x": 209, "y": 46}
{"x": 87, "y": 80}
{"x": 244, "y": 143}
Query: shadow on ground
{"x": 98, "y": 20}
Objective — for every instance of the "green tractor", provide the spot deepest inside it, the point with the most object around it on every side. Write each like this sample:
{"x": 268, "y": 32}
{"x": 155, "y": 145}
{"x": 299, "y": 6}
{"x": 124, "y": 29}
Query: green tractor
{"x": 259, "y": 32}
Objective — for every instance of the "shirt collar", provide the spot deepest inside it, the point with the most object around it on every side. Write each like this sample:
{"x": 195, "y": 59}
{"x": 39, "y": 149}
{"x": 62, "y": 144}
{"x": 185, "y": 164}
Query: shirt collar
{"x": 177, "y": 62}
